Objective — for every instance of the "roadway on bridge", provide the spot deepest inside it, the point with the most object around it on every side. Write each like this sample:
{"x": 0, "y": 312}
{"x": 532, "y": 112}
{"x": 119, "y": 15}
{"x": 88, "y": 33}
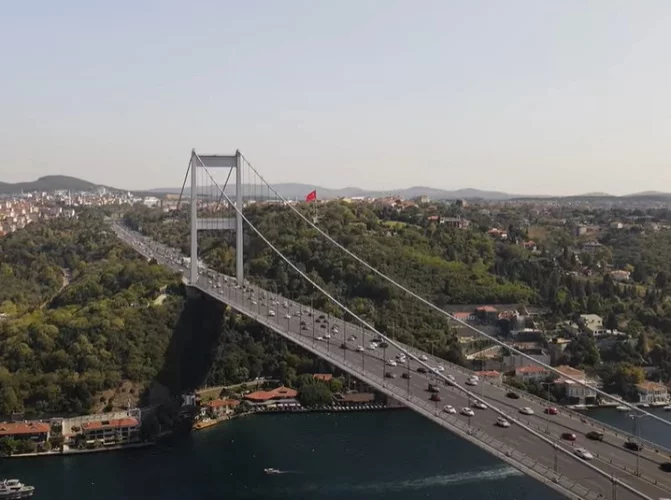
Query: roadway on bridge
{"x": 623, "y": 464}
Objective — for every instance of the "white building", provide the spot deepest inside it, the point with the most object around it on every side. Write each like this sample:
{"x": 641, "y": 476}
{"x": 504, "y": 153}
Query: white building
{"x": 652, "y": 392}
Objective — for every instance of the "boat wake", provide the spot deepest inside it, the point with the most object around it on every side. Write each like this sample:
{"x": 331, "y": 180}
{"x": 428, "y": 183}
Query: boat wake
{"x": 491, "y": 474}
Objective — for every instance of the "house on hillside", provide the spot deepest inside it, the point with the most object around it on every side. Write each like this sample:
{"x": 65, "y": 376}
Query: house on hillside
{"x": 576, "y": 392}
{"x": 652, "y": 393}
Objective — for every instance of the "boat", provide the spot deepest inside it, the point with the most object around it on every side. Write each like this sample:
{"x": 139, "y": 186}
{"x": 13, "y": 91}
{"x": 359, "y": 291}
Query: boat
{"x": 271, "y": 470}
{"x": 622, "y": 408}
{"x": 667, "y": 408}
{"x": 12, "y": 489}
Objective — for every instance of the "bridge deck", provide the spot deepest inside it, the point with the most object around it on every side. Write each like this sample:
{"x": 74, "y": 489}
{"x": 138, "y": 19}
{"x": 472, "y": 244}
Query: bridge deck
{"x": 514, "y": 445}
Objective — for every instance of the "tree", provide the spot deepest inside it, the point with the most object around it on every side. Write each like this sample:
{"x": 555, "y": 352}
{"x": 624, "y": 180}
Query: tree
{"x": 662, "y": 280}
{"x": 316, "y": 394}
{"x": 611, "y": 321}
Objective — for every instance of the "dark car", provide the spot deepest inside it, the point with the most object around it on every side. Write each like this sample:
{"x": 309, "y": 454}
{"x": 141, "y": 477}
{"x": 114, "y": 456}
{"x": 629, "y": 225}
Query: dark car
{"x": 384, "y": 345}
{"x": 568, "y": 436}
{"x": 433, "y": 388}
{"x": 390, "y": 375}
{"x": 512, "y": 395}
{"x": 343, "y": 346}
{"x": 633, "y": 445}
{"x": 666, "y": 466}
{"x": 405, "y": 375}
{"x": 551, "y": 410}
{"x": 435, "y": 397}
{"x": 595, "y": 435}
{"x": 421, "y": 369}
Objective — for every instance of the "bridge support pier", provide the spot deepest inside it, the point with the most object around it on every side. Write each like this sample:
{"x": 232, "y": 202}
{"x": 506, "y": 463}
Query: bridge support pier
{"x": 216, "y": 161}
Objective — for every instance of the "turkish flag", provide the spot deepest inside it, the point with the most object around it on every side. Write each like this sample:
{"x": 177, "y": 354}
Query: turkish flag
{"x": 311, "y": 196}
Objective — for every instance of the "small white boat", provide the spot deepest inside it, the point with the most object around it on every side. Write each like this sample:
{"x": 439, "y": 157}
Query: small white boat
{"x": 667, "y": 408}
{"x": 271, "y": 470}
{"x": 13, "y": 489}
{"x": 622, "y": 408}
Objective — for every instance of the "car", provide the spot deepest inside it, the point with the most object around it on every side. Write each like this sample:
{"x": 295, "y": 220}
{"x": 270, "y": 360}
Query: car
{"x": 359, "y": 348}
{"x": 633, "y": 445}
{"x": 440, "y": 368}
{"x": 405, "y": 375}
{"x": 433, "y": 388}
{"x": 372, "y": 347}
{"x": 421, "y": 369}
{"x": 351, "y": 338}
{"x": 512, "y": 395}
{"x": 471, "y": 381}
{"x": 391, "y": 362}
{"x": 423, "y": 357}
{"x": 568, "y": 436}
{"x": 526, "y": 411}
{"x": 320, "y": 338}
{"x": 551, "y": 410}
{"x": 449, "y": 409}
{"x": 502, "y": 422}
{"x": 334, "y": 329}
{"x": 595, "y": 435}
{"x": 271, "y": 313}
{"x": 435, "y": 397}
{"x": 467, "y": 411}
{"x": 384, "y": 345}
{"x": 343, "y": 346}
{"x": 390, "y": 375}
{"x": 479, "y": 405}
{"x": 583, "y": 453}
{"x": 665, "y": 466}
{"x": 327, "y": 336}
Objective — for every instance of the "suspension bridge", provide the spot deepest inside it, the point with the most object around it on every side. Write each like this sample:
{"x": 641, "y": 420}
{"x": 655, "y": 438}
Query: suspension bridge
{"x": 531, "y": 443}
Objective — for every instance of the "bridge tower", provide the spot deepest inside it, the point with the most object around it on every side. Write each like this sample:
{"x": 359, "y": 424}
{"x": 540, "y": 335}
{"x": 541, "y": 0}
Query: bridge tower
{"x": 196, "y": 164}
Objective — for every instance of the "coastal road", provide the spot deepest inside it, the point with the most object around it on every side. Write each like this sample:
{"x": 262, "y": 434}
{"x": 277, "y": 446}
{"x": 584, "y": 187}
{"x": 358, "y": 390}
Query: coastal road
{"x": 283, "y": 315}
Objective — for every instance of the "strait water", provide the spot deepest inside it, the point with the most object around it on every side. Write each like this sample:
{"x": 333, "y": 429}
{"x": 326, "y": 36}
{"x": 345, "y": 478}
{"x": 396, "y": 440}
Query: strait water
{"x": 394, "y": 455}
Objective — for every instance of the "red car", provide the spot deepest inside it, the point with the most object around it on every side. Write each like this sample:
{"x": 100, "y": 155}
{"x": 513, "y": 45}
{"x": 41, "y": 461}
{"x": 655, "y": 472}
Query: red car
{"x": 568, "y": 436}
{"x": 551, "y": 410}
{"x": 435, "y": 397}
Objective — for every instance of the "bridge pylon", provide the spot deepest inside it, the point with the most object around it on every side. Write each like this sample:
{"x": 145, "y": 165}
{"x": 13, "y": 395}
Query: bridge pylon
{"x": 202, "y": 162}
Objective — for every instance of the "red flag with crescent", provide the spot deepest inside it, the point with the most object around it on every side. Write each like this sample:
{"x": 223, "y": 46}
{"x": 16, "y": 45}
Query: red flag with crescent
{"x": 311, "y": 196}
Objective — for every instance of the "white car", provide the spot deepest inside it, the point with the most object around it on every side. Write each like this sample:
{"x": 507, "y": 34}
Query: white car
{"x": 440, "y": 368}
{"x": 372, "y": 347}
{"x": 359, "y": 348}
{"x": 480, "y": 405}
{"x": 327, "y": 336}
{"x": 287, "y": 316}
{"x": 526, "y": 411}
{"x": 449, "y": 409}
{"x": 471, "y": 381}
{"x": 468, "y": 412}
{"x": 271, "y": 313}
{"x": 334, "y": 329}
{"x": 391, "y": 362}
{"x": 502, "y": 422}
{"x": 423, "y": 357}
{"x": 583, "y": 453}
{"x": 320, "y": 338}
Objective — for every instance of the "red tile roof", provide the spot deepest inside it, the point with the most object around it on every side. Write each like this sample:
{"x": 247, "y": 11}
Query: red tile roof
{"x": 486, "y": 309}
{"x": 277, "y": 393}
{"x": 530, "y": 369}
{"x": 462, "y": 315}
{"x": 13, "y": 428}
{"x": 491, "y": 373}
{"x": 325, "y": 377}
{"x": 110, "y": 424}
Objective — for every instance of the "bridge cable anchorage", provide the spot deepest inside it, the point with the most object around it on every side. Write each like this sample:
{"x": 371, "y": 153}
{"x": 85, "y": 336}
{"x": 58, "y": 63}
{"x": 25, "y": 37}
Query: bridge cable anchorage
{"x": 528, "y": 429}
{"x": 448, "y": 315}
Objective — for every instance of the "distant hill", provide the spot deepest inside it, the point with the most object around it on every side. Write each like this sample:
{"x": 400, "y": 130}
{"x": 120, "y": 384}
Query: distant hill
{"x": 298, "y": 191}
{"x": 48, "y": 183}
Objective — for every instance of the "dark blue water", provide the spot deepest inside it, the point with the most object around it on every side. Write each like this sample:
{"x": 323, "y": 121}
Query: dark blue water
{"x": 355, "y": 456}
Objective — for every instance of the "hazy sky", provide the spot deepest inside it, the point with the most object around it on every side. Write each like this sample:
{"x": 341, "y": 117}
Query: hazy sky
{"x": 537, "y": 96}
